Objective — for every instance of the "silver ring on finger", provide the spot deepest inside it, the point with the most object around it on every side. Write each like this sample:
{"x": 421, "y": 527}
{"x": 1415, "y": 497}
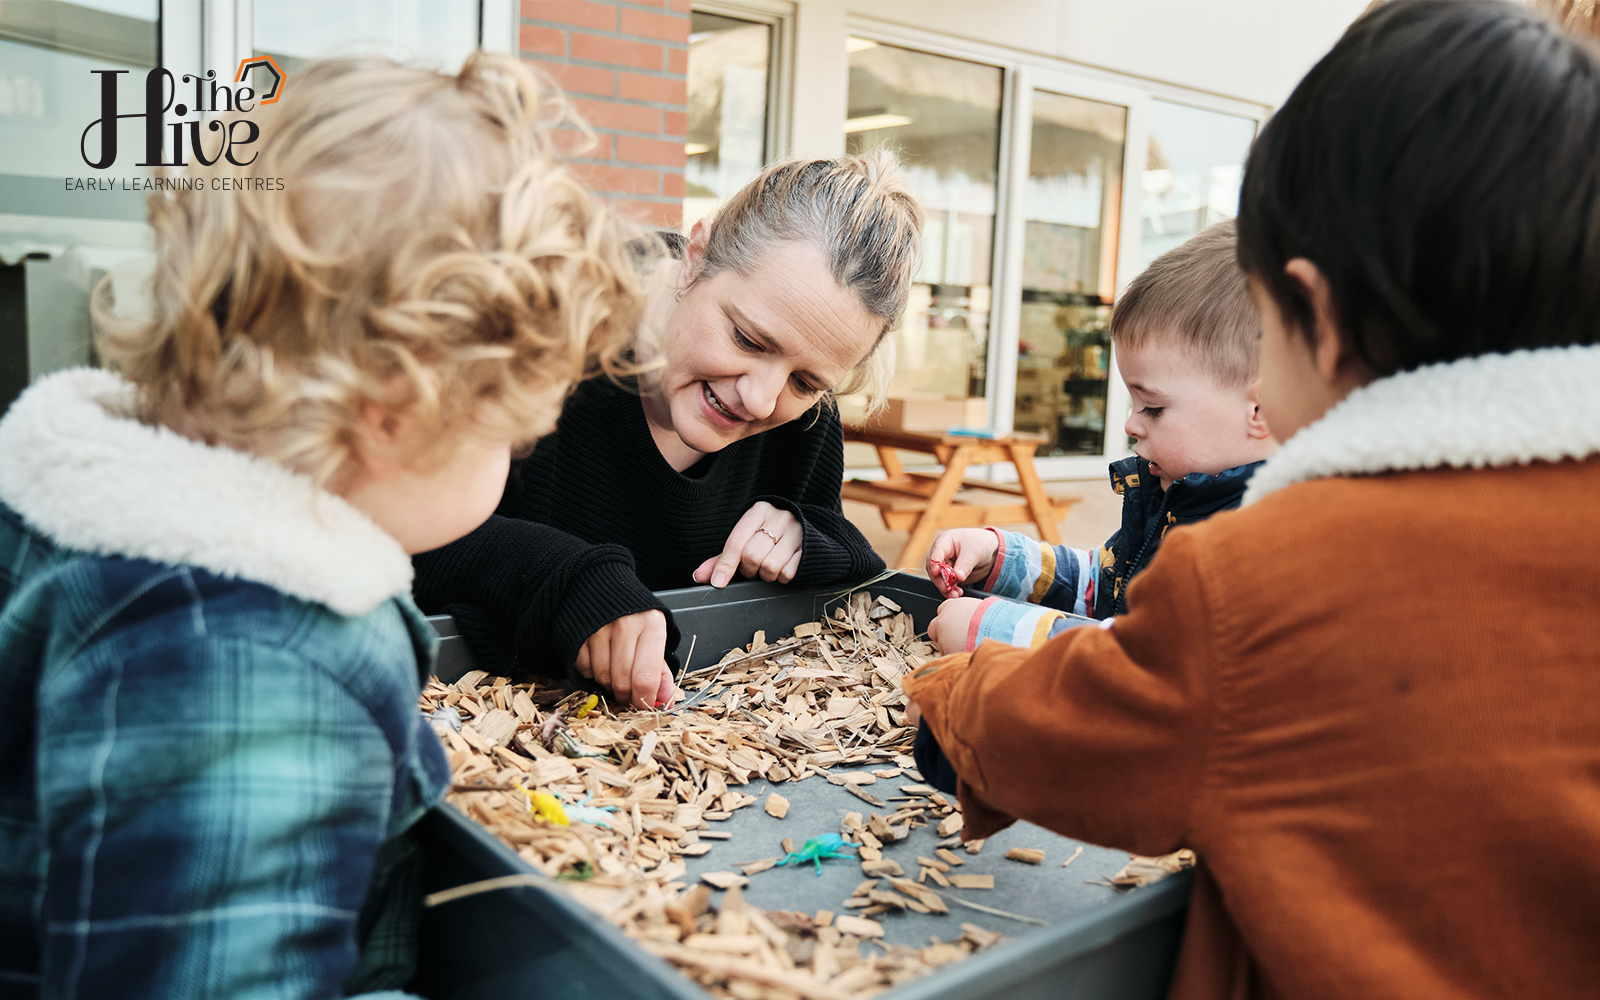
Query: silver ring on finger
{"x": 769, "y": 534}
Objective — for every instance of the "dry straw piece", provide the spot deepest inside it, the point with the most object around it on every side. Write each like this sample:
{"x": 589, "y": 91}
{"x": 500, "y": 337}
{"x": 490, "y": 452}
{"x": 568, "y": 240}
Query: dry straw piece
{"x": 613, "y": 801}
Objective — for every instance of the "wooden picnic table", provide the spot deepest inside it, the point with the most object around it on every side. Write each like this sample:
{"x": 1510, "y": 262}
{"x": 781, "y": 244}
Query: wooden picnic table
{"x": 924, "y": 504}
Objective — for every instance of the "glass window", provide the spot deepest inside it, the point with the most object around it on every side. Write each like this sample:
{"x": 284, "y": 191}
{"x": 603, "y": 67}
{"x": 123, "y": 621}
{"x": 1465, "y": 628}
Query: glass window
{"x": 1192, "y": 175}
{"x": 437, "y": 33}
{"x": 729, "y": 69}
{"x": 1071, "y": 209}
{"x": 56, "y": 240}
{"x": 943, "y": 117}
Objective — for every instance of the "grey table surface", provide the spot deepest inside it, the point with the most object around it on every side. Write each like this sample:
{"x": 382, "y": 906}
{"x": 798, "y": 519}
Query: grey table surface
{"x": 1047, "y": 891}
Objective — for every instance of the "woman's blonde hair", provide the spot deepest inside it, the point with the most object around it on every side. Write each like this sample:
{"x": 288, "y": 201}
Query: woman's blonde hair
{"x": 401, "y": 237}
{"x": 860, "y": 212}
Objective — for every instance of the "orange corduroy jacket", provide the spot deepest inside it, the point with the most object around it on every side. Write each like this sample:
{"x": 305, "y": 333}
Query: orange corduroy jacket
{"x": 1369, "y": 700}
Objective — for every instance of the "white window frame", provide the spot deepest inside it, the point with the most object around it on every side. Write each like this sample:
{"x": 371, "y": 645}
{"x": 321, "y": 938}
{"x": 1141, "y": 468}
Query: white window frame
{"x": 1024, "y": 73}
{"x": 779, "y": 16}
{"x": 216, "y": 34}
{"x": 1002, "y": 399}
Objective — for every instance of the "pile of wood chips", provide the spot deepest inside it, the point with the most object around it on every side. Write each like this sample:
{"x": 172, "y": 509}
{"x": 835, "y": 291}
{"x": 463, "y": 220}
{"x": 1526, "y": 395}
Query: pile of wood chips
{"x": 827, "y": 695}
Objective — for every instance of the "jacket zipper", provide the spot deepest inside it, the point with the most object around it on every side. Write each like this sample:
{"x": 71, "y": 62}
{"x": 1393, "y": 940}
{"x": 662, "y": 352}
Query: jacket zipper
{"x": 1120, "y": 606}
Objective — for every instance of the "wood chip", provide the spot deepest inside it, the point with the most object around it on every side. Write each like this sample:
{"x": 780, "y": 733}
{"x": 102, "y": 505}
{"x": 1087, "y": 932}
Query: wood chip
{"x": 866, "y": 797}
{"x": 826, "y": 696}
{"x": 972, "y": 881}
{"x": 724, "y": 880}
{"x": 776, "y": 805}
{"x": 950, "y": 826}
{"x": 1027, "y": 855}
{"x": 858, "y": 926}
{"x": 974, "y": 846}
{"x": 950, "y": 857}
{"x": 939, "y": 866}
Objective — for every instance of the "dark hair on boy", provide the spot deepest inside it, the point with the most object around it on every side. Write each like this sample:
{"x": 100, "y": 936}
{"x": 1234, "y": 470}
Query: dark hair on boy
{"x": 1441, "y": 168}
{"x": 1195, "y": 295}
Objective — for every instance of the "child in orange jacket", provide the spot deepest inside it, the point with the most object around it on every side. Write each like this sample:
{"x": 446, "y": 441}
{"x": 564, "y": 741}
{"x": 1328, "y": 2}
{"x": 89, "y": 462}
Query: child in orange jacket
{"x": 1370, "y": 698}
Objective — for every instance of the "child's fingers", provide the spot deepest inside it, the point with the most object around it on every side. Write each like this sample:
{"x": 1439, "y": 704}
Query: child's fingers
{"x": 975, "y": 554}
{"x": 948, "y": 630}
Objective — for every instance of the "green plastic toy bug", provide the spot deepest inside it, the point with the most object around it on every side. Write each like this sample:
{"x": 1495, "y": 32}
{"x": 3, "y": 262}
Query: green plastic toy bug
{"x": 829, "y": 845}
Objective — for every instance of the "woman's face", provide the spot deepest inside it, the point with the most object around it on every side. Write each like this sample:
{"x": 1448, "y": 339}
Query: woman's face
{"x": 746, "y": 353}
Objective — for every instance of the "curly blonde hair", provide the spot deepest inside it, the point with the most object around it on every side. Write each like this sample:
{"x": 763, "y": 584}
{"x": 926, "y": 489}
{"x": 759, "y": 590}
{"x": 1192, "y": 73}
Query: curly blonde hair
{"x": 401, "y": 237}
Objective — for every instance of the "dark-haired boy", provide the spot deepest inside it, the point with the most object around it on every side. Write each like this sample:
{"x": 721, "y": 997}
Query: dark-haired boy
{"x": 1369, "y": 700}
{"x": 1186, "y": 336}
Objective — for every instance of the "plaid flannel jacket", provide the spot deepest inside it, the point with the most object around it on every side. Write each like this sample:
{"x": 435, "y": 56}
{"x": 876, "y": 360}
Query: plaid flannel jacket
{"x": 204, "y": 783}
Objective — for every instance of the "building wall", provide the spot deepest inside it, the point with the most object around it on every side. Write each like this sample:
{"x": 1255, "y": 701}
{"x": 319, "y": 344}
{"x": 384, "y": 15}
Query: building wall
{"x": 624, "y": 65}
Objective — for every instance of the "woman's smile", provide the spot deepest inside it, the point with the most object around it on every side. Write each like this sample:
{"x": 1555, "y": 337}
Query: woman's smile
{"x": 720, "y": 413}
{"x": 747, "y": 353}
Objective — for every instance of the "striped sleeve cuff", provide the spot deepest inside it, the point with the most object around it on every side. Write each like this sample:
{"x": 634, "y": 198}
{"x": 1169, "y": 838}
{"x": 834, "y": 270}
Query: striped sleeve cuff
{"x": 1016, "y": 565}
{"x": 1025, "y": 626}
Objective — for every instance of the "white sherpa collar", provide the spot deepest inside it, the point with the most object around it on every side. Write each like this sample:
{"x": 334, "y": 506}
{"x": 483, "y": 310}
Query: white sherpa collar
{"x": 1491, "y": 410}
{"x": 79, "y": 470}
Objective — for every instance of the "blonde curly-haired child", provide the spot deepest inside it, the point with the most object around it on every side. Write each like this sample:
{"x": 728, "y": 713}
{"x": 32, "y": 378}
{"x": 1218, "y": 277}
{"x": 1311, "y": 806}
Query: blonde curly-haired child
{"x": 210, "y": 754}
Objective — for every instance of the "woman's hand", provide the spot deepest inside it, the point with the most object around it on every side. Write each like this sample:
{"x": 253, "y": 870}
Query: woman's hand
{"x": 629, "y": 657}
{"x": 949, "y": 627}
{"x": 969, "y": 552}
{"x": 765, "y": 543}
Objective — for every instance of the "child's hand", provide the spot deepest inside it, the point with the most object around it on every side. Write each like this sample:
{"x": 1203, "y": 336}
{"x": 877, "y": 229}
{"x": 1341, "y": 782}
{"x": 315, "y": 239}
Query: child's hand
{"x": 629, "y": 657}
{"x": 948, "y": 630}
{"x": 969, "y": 552}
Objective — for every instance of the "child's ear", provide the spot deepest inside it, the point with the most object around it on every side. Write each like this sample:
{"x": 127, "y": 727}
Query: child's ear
{"x": 1334, "y": 360}
{"x": 1255, "y": 425}
{"x": 382, "y": 440}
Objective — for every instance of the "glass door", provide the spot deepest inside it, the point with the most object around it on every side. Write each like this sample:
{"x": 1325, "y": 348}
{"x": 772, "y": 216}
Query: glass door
{"x": 1072, "y": 249}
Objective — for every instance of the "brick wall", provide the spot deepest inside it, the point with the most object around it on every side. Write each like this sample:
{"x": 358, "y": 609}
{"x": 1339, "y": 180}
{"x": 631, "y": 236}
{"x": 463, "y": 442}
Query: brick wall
{"x": 624, "y": 65}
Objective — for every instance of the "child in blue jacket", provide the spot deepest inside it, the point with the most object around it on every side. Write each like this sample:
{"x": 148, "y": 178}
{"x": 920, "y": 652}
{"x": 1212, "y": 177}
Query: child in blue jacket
{"x": 211, "y": 757}
{"x": 1186, "y": 334}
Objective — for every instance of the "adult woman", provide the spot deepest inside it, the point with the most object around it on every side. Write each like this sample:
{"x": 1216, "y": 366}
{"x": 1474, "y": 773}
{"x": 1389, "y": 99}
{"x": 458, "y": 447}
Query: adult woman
{"x": 728, "y": 457}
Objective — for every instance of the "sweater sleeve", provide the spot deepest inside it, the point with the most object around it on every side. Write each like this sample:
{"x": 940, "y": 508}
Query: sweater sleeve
{"x": 533, "y": 593}
{"x": 833, "y": 549}
{"x": 1113, "y": 722}
{"x": 1055, "y": 576}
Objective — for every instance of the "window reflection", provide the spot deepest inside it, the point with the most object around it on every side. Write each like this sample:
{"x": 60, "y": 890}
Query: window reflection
{"x": 1072, "y": 209}
{"x": 1192, "y": 174}
{"x": 57, "y": 241}
{"x": 729, "y": 65}
{"x": 943, "y": 117}
{"x": 436, "y": 33}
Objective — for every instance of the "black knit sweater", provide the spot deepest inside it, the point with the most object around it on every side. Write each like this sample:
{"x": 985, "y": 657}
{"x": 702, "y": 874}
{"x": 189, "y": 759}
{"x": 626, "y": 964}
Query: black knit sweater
{"x": 595, "y": 519}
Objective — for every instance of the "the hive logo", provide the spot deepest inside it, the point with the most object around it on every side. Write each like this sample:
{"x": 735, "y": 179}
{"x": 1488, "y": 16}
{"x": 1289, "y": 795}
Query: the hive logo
{"x": 163, "y": 94}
